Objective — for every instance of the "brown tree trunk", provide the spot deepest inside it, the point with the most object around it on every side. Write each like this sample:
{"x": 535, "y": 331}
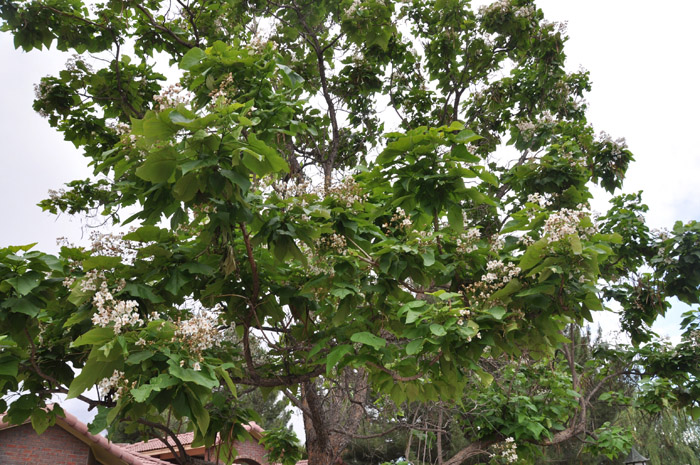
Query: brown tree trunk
{"x": 332, "y": 414}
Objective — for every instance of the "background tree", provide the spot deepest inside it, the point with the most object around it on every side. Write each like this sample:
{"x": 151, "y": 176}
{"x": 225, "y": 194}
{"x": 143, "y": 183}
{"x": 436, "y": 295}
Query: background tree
{"x": 274, "y": 206}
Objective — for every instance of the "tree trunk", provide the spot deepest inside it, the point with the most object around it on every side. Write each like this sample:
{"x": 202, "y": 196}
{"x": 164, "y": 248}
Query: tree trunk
{"x": 332, "y": 415}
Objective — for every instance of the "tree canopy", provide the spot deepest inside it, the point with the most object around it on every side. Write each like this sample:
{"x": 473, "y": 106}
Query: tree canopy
{"x": 362, "y": 204}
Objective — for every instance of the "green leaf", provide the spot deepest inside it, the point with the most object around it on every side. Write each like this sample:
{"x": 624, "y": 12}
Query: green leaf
{"x": 40, "y": 420}
{"x": 415, "y": 346}
{"x": 22, "y": 248}
{"x": 455, "y": 217}
{"x": 271, "y": 155}
{"x": 237, "y": 179}
{"x": 9, "y": 366}
{"x": 465, "y": 136}
{"x": 99, "y": 423}
{"x": 547, "y": 289}
{"x": 695, "y": 413}
{"x": 227, "y": 379}
{"x": 142, "y": 291}
{"x": 186, "y": 187}
{"x": 138, "y": 357}
{"x": 148, "y": 233}
{"x": 156, "y": 127}
{"x": 497, "y": 312}
{"x": 189, "y": 375}
{"x": 413, "y": 315}
{"x": 575, "y": 242}
{"x": 428, "y": 258}
{"x": 78, "y": 296}
{"x": 101, "y": 262}
{"x": 178, "y": 118}
{"x": 24, "y": 305}
{"x": 176, "y": 281}
{"x": 335, "y": 355}
{"x": 368, "y": 339}
{"x": 24, "y": 284}
{"x": 592, "y": 302}
{"x": 192, "y": 58}
{"x": 486, "y": 378}
{"x": 95, "y": 336}
{"x": 156, "y": 384}
{"x": 533, "y": 255}
{"x": 461, "y": 153}
{"x": 291, "y": 78}
{"x": 159, "y": 166}
{"x": 201, "y": 414}
{"x": 91, "y": 373}
{"x": 437, "y": 329}
{"x": 513, "y": 286}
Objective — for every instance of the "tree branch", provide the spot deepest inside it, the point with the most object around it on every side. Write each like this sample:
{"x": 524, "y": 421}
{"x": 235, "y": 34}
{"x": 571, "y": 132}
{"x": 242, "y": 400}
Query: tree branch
{"x": 164, "y": 29}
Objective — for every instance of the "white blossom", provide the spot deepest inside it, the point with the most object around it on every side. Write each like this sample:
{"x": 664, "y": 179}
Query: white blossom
{"x": 110, "y": 311}
{"x": 200, "y": 332}
{"x": 112, "y": 384}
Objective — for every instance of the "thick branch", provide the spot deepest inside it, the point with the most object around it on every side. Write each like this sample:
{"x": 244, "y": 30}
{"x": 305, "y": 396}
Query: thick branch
{"x": 181, "y": 454}
{"x": 472, "y": 450}
{"x": 283, "y": 380}
{"x": 162, "y": 28}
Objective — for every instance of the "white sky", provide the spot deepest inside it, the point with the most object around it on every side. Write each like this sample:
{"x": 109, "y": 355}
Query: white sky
{"x": 645, "y": 88}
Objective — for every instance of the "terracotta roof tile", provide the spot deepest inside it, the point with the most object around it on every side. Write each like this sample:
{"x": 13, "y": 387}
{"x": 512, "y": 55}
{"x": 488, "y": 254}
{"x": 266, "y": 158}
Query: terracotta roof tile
{"x": 185, "y": 438}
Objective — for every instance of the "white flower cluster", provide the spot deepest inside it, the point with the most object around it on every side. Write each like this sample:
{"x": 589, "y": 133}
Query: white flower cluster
{"x": 497, "y": 270}
{"x": 200, "y": 332}
{"x": 527, "y": 11}
{"x": 90, "y": 281}
{"x": 425, "y": 239}
{"x": 528, "y": 128}
{"x": 171, "y": 97}
{"x": 662, "y": 233}
{"x": 693, "y": 337}
{"x": 620, "y": 143}
{"x": 113, "y": 245}
{"x": 353, "y": 8}
{"x": 560, "y": 27}
{"x": 466, "y": 242}
{"x": 72, "y": 63}
{"x": 316, "y": 265}
{"x": 120, "y": 128}
{"x": 617, "y": 147}
{"x": 292, "y": 188}
{"x": 112, "y": 384}
{"x": 41, "y": 91}
{"x": 400, "y": 219}
{"x": 56, "y": 194}
{"x": 573, "y": 161}
{"x": 497, "y": 275}
{"x": 120, "y": 313}
{"x": 501, "y": 6}
{"x": 219, "y": 96}
{"x": 497, "y": 242}
{"x": 539, "y": 199}
{"x": 509, "y": 450}
{"x": 526, "y": 240}
{"x": 565, "y": 222}
{"x": 334, "y": 242}
{"x": 348, "y": 192}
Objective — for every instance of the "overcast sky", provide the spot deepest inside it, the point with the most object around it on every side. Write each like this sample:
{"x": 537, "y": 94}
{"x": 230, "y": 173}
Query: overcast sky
{"x": 642, "y": 56}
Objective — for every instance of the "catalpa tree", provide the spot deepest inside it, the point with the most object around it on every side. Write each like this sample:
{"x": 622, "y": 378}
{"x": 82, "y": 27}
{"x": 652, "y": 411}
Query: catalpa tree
{"x": 317, "y": 209}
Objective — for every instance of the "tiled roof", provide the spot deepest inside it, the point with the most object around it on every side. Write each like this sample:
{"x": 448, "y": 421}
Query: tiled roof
{"x": 185, "y": 438}
{"x": 153, "y": 444}
{"x": 73, "y": 425}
